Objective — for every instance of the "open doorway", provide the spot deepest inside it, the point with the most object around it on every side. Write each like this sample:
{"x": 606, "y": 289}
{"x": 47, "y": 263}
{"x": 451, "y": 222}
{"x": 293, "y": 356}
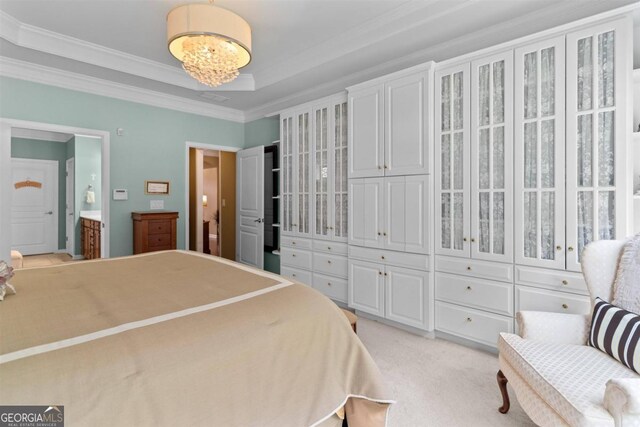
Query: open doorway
{"x": 211, "y": 219}
{"x": 53, "y": 182}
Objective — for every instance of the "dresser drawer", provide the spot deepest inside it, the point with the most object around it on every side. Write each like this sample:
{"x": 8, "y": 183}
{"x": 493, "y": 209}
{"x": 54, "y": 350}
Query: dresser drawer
{"x": 472, "y": 324}
{"x": 400, "y": 259}
{"x": 530, "y": 299}
{"x": 474, "y": 268}
{"x": 330, "y": 247}
{"x": 334, "y": 265}
{"x": 159, "y": 227}
{"x": 159, "y": 240}
{"x": 555, "y": 280}
{"x": 294, "y": 242}
{"x": 297, "y": 275}
{"x": 295, "y": 258}
{"x": 477, "y": 293}
{"x": 332, "y": 287}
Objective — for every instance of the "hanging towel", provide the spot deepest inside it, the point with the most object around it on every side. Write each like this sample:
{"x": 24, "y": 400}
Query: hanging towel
{"x": 91, "y": 197}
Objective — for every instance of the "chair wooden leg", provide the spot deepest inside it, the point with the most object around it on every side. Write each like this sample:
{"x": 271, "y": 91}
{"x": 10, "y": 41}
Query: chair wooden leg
{"x": 502, "y": 384}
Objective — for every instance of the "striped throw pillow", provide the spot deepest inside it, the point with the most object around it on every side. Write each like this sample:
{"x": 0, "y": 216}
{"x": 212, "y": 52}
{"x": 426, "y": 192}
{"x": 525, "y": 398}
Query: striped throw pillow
{"x": 616, "y": 332}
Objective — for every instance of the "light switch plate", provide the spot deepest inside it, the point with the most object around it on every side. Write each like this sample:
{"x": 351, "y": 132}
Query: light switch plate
{"x": 120, "y": 194}
{"x": 156, "y": 204}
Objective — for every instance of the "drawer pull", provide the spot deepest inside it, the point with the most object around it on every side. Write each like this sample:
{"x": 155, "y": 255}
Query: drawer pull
{"x": 564, "y": 282}
{"x": 565, "y": 306}
{"x": 382, "y": 257}
{"x": 469, "y": 268}
{"x": 379, "y": 167}
{"x": 468, "y": 288}
{"x": 329, "y": 247}
{"x": 293, "y": 255}
{"x": 329, "y": 262}
{"x": 293, "y": 243}
{"x": 469, "y": 319}
{"x": 385, "y": 273}
{"x": 328, "y": 283}
{"x": 294, "y": 274}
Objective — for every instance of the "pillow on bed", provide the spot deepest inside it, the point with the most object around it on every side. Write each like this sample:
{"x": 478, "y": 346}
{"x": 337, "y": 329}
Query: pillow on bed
{"x": 616, "y": 332}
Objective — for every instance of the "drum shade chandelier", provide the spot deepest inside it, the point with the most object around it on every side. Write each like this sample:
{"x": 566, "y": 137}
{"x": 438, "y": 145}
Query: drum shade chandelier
{"x": 211, "y": 42}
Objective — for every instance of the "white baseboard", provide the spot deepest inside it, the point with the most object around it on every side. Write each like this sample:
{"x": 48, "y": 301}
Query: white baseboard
{"x": 411, "y": 329}
{"x": 60, "y": 251}
{"x": 77, "y": 257}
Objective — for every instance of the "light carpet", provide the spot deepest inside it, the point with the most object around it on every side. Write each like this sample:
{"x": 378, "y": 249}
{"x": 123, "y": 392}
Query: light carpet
{"x": 436, "y": 382}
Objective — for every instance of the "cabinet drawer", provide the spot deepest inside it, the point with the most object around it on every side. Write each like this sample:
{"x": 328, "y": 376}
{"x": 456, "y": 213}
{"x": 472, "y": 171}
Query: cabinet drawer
{"x": 555, "y": 280}
{"x": 335, "y": 265}
{"x": 531, "y": 299}
{"x": 330, "y": 247}
{"x": 295, "y": 258}
{"x": 294, "y": 242}
{"x": 158, "y": 240}
{"x": 332, "y": 287}
{"x": 477, "y": 293}
{"x": 400, "y": 259}
{"x": 297, "y": 275}
{"x": 159, "y": 227}
{"x": 472, "y": 324}
{"x": 474, "y": 268}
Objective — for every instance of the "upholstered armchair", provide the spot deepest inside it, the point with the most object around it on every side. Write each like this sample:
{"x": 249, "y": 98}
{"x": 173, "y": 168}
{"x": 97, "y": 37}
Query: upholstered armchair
{"x": 558, "y": 379}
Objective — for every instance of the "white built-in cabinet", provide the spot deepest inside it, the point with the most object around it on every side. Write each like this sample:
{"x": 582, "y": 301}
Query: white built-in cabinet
{"x": 314, "y": 190}
{"x": 390, "y": 197}
{"x": 531, "y": 144}
{"x": 388, "y": 127}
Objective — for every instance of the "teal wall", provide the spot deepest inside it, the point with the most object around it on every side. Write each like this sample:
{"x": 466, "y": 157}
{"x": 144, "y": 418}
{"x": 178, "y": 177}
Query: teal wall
{"x": 264, "y": 132}
{"x": 87, "y": 152}
{"x": 47, "y": 150}
{"x": 152, "y": 147}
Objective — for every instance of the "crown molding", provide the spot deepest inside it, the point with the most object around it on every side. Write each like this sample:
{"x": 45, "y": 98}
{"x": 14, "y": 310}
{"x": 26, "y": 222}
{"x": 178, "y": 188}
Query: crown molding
{"x": 22, "y": 70}
{"x": 42, "y": 40}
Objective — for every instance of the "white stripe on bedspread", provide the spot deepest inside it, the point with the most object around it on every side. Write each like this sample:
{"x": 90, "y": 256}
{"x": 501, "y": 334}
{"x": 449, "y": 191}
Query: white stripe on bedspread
{"x": 45, "y": 348}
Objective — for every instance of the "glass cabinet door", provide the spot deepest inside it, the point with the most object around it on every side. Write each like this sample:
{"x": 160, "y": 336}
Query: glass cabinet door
{"x": 540, "y": 147}
{"x": 597, "y": 135}
{"x": 491, "y": 150}
{"x": 321, "y": 227}
{"x": 452, "y": 160}
{"x": 302, "y": 221}
{"x": 340, "y": 170}
{"x": 287, "y": 174}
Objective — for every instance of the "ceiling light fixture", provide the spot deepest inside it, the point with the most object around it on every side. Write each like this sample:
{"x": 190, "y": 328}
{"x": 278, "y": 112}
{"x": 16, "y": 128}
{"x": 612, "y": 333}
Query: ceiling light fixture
{"x": 211, "y": 42}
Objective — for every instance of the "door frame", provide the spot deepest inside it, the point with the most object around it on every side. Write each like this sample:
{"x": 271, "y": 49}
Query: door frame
{"x": 6, "y": 125}
{"x": 70, "y": 232}
{"x": 56, "y": 214}
{"x": 201, "y": 146}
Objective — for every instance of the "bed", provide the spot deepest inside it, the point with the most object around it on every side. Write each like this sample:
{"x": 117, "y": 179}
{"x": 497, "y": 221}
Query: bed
{"x": 180, "y": 338}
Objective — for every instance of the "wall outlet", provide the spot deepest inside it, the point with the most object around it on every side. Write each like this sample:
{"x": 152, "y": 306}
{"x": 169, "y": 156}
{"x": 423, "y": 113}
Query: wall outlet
{"x": 156, "y": 204}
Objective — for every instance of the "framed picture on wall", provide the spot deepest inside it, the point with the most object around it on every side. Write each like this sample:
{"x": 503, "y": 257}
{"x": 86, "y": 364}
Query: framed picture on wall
{"x": 156, "y": 187}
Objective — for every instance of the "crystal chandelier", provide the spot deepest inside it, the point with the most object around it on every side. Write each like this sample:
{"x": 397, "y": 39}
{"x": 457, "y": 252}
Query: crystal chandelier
{"x": 211, "y": 42}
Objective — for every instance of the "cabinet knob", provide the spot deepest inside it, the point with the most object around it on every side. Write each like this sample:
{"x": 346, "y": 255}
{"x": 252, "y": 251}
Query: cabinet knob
{"x": 464, "y": 239}
{"x": 468, "y": 319}
{"x": 469, "y": 268}
{"x": 379, "y": 167}
{"x": 468, "y": 288}
{"x": 293, "y": 255}
{"x": 380, "y": 273}
{"x": 565, "y": 306}
{"x": 294, "y": 274}
{"x": 382, "y": 257}
{"x": 379, "y": 233}
{"x": 385, "y": 273}
{"x": 293, "y": 243}
{"x": 473, "y": 240}
{"x": 384, "y": 233}
{"x": 558, "y": 248}
{"x": 385, "y": 166}
{"x": 570, "y": 248}
{"x": 564, "y": 282}
{"x": 328, "y": 247}
{"x": 328, "y": 283}
{"x": 328, "y": 261}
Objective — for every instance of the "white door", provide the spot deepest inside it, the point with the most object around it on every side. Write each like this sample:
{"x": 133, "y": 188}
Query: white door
{"x": 539, "y": 222}
{"x": 250, "y": 206}
{"x": 366, "y": 212}
{"x": 366, "y": 137}
{"x": 598, "y": 164}
{"x": 34, "y": 207}
{"x": 452, "y": 160}
{"x": 406, "y": 148}
{"x": 322, "y": 174}
{"x": 70, "y": 206}
{"x": 287, "y": 175}
{"x": 366, "y": 287}
{"x": 340, "y": 170}
{"x": 417, "y": 218}
{"x": 407, "y": 296}
{"x": 492, "y": 158}
{"x": 302, "y": 169}
{"x": 395, "y": 229}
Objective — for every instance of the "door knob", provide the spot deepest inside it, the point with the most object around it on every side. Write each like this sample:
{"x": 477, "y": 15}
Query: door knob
{"x": 49, "y": 213}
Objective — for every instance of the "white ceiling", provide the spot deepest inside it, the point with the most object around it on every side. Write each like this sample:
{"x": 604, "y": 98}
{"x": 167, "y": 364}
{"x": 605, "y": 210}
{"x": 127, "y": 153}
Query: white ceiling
{"x": 302, "y": 49}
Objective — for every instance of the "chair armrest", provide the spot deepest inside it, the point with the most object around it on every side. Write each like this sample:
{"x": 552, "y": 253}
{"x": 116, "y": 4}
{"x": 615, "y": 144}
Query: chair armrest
{"x": 559, "y": 328}
{"x": 622, "y": 400}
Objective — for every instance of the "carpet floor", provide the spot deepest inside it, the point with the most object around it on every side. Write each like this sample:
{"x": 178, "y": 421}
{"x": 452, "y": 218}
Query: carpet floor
{"x": 436, "y": 382}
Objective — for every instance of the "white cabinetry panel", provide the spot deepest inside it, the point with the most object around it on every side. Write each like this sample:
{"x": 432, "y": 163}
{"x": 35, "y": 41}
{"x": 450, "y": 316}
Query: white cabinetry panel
{"x": 366, "y": 212}
{"x": 366, "y": 287}
{"x": 366, "y": 124}
{"x": 408, "y": 293}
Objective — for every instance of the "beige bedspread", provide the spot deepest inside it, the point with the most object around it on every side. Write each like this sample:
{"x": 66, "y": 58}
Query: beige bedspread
{"x": 174, "y": 338}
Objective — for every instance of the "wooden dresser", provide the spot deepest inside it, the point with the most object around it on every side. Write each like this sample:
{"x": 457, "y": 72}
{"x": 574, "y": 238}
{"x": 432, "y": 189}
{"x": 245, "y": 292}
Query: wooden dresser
{"x": 154, "y": 231}
{"x": 90, "y": 238}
